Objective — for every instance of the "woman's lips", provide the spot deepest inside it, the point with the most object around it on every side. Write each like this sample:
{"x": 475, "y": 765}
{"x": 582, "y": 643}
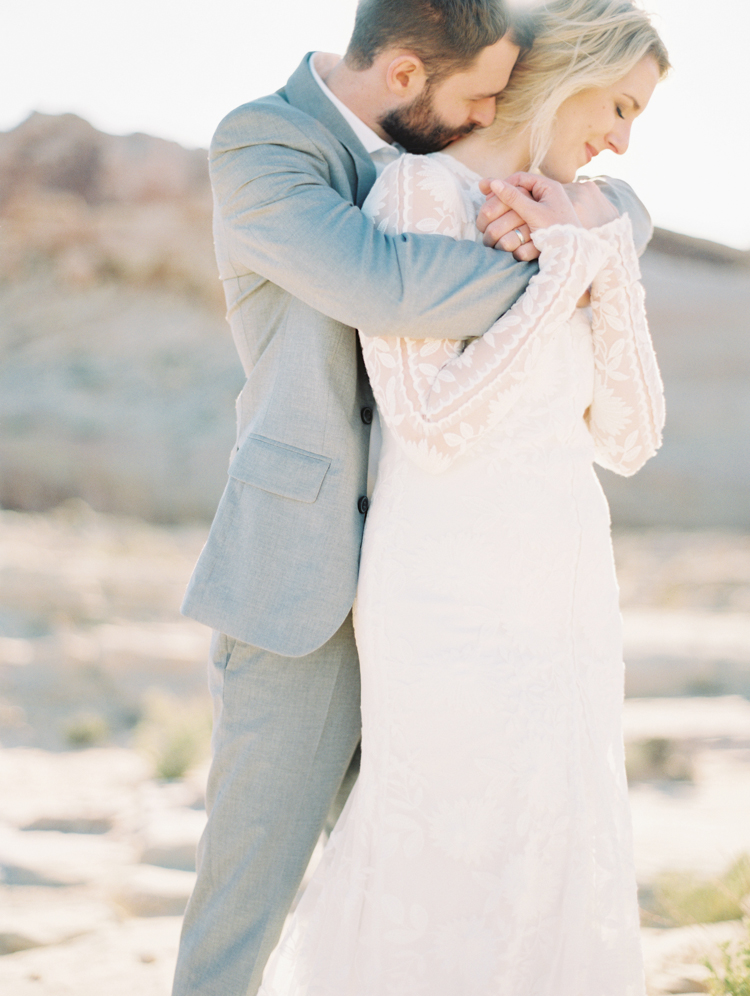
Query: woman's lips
{"x": 590, "y": 152}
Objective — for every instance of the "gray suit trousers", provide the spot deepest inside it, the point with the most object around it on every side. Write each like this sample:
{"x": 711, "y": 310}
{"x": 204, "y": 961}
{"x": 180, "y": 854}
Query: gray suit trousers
{"x": 285, "y": 730}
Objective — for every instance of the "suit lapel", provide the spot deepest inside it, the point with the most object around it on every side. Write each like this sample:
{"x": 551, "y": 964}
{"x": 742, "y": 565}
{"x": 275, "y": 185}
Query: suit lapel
{"x": 303, "y": 92}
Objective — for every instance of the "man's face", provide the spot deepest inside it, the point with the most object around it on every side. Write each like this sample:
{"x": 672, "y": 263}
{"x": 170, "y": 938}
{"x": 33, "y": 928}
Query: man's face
{"x": 456, "y": 106}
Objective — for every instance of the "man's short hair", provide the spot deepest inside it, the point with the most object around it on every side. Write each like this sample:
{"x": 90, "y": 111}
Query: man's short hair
{"x": 447, "y": 35}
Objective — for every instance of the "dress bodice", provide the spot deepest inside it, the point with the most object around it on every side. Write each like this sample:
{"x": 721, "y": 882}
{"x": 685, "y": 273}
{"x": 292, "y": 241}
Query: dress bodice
{"x": 547, "y": 374}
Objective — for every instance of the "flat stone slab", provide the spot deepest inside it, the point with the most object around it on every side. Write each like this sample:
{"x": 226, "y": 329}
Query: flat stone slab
{"x": 37, "y": 917}
{"x": 701, "y": 827}
{"x": 51, "y": 858}
{"x": 684, "y": 652}
{"x": 148, "y": 891}
{"x": 171, "y": 837}
{"x": 72, "y": 824}
{"x": 725, "y": 717}
{"x": 681, "y": 633}
{"x": 93, "y": 787}
{"x": 136, "y": 956}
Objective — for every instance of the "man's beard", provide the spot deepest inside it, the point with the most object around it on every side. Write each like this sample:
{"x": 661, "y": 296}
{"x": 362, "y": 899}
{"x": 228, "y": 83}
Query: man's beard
{"x": 418, "y": 129}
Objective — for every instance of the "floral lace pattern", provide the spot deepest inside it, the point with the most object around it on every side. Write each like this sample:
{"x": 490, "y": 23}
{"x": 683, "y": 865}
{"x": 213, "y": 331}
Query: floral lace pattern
{"x": 438, "y": 398}
{"x": 485, "y": 850}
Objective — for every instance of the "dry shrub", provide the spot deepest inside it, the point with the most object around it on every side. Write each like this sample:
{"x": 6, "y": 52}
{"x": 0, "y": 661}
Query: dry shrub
{"x": 174, "y": 733}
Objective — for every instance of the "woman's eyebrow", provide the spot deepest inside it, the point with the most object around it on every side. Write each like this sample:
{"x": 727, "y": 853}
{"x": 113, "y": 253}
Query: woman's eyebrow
{"x": 635, "y": 103}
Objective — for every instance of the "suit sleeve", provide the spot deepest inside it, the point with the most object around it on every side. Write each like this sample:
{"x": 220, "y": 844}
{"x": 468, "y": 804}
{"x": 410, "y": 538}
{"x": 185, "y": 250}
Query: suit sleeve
{"x": 278, "y": 216}
{"x": 623, "y": 197}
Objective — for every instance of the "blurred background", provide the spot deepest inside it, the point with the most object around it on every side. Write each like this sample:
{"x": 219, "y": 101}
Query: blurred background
{"x": 117, "y": 386}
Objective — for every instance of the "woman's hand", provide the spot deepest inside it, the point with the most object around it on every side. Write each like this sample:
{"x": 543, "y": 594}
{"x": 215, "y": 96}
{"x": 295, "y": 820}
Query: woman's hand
{"x": 535, "y": 201}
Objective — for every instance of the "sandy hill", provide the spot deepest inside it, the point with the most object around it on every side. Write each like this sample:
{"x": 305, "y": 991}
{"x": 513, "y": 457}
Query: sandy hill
{"x": 118, "y": 373}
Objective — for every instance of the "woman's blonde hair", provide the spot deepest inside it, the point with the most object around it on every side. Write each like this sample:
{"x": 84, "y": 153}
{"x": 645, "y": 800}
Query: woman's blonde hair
{"x": 578, "y": 44}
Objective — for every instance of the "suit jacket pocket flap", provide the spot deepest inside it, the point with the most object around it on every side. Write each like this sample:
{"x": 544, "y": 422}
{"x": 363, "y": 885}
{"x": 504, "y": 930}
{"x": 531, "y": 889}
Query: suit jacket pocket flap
{"x": 279, "y": 468}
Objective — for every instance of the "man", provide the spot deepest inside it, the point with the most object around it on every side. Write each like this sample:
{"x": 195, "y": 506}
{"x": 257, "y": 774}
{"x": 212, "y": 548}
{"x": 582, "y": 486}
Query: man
{"x": 302, "y": 269}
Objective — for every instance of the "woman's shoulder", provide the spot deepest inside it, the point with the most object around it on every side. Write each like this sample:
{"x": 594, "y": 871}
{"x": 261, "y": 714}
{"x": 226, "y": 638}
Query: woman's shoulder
{"x": 435, "y": 167}
{"x": 429, "y": 183}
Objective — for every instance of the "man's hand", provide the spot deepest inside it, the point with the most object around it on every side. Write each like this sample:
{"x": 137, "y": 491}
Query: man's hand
{"x": 591, "y": 206}
{"x": 520, "y": 205}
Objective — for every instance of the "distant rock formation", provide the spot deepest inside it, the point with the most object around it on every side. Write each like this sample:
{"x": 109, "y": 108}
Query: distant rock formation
{"x": 90, "y": 209}
{"x": 698, "y": 301}
{"x": 678, "y": 246}
{"x": 117, "y": 372}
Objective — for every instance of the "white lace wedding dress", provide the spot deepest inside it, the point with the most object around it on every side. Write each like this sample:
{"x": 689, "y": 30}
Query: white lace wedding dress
{"x": 485, "y": 850}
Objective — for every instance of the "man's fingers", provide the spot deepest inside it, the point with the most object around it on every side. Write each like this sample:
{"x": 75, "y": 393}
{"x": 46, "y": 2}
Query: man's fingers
{"x": 490, "y": 240}
{"x": 526, "y": 253}
{"x": 504, "y": 226}
{"x": 516, "y": 239}
{"x": 492, "y": 209}
{"x": 591, "y": 206}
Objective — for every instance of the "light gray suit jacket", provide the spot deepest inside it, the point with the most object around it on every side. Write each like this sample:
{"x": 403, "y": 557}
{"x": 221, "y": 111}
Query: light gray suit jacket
{"x": 302, "y": 269}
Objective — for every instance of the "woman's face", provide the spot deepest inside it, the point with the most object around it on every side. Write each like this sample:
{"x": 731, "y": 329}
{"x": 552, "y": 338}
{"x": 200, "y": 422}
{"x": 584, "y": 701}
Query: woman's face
{"x": 597, "y": 119}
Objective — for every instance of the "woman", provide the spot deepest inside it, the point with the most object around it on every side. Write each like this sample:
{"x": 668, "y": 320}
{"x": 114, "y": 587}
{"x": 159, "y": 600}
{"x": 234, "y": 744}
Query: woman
{"x": 485, "y": 850}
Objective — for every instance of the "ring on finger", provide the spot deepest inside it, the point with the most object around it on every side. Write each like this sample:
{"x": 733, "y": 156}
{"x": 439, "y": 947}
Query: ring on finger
{"x": 521, "y": 237}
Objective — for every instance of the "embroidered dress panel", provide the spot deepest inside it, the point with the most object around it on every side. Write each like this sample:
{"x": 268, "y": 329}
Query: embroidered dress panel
{"x": 486, "y": 847}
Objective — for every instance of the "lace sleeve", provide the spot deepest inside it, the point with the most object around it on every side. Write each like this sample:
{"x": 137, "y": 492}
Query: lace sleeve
{"x": 436, "y": 399}
{"x": 418, "y": 194}
{"x": 626, "y": 417}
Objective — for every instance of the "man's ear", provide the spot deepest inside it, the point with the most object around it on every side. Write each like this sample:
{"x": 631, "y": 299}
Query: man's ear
{"x": 405, "y": 76}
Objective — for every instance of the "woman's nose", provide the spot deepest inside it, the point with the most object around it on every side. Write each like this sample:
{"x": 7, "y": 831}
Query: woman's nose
{"x": 619, "y": 137}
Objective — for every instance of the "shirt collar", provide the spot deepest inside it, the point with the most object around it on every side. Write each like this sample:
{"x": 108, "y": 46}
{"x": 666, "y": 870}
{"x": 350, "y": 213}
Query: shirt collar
{"x": 370, "y": 139}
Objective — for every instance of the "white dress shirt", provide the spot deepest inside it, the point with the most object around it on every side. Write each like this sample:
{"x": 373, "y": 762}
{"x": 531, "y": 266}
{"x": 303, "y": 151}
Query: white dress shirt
{"x": 381, "y": 152}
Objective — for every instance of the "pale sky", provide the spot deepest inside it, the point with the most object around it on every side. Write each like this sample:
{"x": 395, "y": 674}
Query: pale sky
{"x": 175, "y": 67}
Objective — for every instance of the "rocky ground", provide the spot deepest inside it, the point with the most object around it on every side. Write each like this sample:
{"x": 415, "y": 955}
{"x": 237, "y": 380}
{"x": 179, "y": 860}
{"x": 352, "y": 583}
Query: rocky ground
{"x": 97, "y": 852}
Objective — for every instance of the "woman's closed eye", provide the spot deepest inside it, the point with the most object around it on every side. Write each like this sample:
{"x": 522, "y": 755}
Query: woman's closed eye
{"x": 619, "y": 110}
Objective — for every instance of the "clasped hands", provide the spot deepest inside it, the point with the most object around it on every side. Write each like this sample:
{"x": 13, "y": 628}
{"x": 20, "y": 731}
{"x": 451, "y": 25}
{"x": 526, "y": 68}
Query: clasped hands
{"x": 526, "y": 202}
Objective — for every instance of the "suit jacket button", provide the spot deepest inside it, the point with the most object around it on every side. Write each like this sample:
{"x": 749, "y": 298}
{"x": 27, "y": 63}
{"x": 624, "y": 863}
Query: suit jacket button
{"x": 366, "y": 415}
{"x": 363, "y": 504}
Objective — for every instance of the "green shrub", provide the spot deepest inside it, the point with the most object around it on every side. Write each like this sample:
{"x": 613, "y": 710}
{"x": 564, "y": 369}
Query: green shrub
{"x": 657, "y": 759}
{"x": 732, "y": 977}
{"x": 86, "y": 729}
{"x": 174, "y": 733}
{"x": 682, "y": 898}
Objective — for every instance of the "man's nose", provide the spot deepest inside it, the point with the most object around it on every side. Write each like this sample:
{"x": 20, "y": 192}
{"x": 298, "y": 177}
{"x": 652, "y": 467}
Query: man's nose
{"x": 483, "y": 112}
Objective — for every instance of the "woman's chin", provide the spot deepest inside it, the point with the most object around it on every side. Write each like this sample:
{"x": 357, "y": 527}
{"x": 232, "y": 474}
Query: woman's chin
{"x": 556, "y": 171}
